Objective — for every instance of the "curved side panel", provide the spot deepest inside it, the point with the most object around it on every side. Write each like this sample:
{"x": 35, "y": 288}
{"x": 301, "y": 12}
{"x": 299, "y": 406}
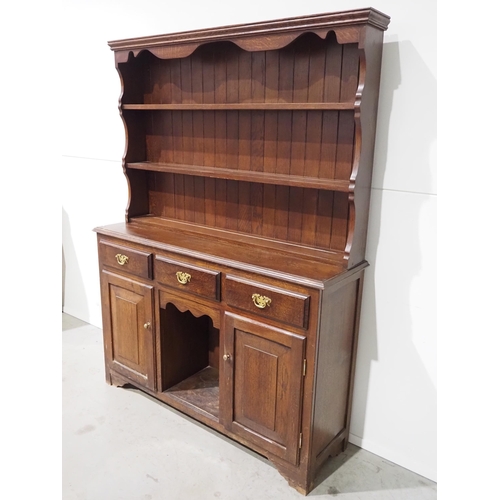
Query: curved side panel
{"x": 122, "y": 87}
{"x": 133, "y": 126}
{"x": 357, "y": 154}
{"x": 365, "y": 116}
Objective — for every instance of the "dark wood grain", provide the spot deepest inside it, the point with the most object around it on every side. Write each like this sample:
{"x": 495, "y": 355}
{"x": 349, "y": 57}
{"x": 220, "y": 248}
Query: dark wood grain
{"x": 301, "y": 216}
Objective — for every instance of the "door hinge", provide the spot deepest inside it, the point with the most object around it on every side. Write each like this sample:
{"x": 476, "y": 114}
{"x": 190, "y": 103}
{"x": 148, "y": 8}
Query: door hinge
{"x": 304, "y": 366}
{"x": 300, "y": 440}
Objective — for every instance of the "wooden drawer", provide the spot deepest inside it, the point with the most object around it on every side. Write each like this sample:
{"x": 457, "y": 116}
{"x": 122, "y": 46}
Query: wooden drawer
{"x": 126, "y": 259}
{"x": 187, "y": 277}
{"x": 266, "y": 300}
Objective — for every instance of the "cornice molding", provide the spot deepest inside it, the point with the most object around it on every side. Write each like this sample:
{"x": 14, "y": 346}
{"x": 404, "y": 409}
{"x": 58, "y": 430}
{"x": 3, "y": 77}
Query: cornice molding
{"x": 273, "y": 33}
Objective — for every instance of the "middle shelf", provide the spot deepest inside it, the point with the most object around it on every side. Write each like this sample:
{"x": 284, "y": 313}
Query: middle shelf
{"x": 257, "y": 106}
{"x": 244, "y": 175}
{"x": 302, "y": 147}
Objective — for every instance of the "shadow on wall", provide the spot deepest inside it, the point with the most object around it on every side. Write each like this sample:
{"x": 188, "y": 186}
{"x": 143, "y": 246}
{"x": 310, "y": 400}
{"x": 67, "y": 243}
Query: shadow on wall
{"x": 74, "y": 300}
{"x": 409, "y": 397}
{"x": 63, "y": 274}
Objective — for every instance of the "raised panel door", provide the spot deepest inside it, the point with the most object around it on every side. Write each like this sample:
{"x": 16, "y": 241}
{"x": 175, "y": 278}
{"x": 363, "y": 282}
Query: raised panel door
{"x": 263, "y": 393}
{"x": 128, "y": 328}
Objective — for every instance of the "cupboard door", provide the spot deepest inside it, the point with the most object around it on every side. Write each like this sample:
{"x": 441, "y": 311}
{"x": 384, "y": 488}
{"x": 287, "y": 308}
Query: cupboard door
{"x": 263, "y": 373}
{"x": 128, "y": 328}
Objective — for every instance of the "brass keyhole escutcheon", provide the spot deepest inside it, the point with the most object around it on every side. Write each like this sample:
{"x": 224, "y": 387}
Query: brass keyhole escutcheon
{"x": 147, "y": 325}
{"x": 121, "y": 259}
{"x": 261, "y": 301}
{"x": 183, "y": 278}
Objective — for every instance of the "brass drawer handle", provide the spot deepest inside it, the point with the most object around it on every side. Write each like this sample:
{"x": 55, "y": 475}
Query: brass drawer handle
{"x": 121, "y": 259}
{"x": 183, "y": 278}
{"x": 261, "y": 301}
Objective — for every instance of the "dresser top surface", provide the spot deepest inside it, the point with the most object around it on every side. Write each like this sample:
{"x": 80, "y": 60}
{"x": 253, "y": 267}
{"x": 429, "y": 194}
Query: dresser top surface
{"x": 248, "y": 254}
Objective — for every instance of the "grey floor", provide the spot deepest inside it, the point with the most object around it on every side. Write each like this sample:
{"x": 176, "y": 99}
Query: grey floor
{"x": 120, "y": 444}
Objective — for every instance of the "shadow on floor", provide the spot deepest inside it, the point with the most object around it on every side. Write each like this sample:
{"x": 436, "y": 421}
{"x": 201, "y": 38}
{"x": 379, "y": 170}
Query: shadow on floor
{"x": 357, "y": 471}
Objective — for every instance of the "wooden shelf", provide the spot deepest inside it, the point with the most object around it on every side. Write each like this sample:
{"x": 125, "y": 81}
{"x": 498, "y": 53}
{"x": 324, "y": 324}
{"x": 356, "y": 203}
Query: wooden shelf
{"x": 201, "y": 390}
{"x": 245, "y": 175}
{"x": 252, "y": 106}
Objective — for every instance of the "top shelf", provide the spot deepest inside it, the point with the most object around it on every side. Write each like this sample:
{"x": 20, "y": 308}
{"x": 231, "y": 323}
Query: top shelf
{"x": 263, "y": 106}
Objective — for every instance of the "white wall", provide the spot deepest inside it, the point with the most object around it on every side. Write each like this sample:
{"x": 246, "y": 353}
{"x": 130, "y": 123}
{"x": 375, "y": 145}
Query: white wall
{"x": 394, "y": 410}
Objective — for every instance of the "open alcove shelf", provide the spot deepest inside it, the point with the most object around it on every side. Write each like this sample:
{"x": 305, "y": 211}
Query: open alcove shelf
{"x": 232, "y": 290}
